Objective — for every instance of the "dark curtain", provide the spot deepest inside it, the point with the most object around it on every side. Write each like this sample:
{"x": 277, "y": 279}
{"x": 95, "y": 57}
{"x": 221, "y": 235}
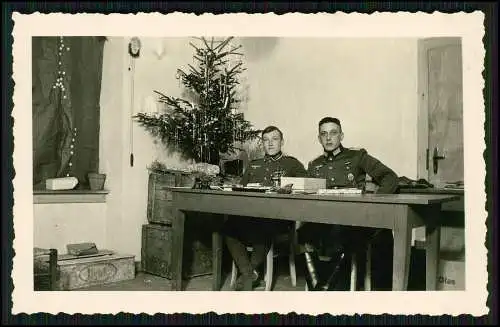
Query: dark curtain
{"x": 66, "y": 118}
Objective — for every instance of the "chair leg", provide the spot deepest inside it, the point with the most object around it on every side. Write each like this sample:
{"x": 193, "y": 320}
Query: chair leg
{"x": 234, "y": 274}
{"x": 269, "y": 268}
{"x": 368, "y": 273}
{"x": 354, "y": 272}
{"x": 291, "y": 257}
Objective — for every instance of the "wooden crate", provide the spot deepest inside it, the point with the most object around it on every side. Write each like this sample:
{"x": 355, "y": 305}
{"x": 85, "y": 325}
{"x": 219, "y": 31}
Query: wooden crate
{"x": 156, "y": 256}
{"x": 45, "y": 270}
{"x": 159, "y": 208}
{"x": 75, "y": 272}
{"x": 451, "y": 271}
{"x": 157, "y": 250}
{"x": 197, "y": 254}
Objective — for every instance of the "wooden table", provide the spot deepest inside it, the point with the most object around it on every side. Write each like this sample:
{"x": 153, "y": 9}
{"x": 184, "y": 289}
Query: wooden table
{"x": 398, "y": 212}
{"x": 451, "y": 206}
{"x": 452, "y": 215}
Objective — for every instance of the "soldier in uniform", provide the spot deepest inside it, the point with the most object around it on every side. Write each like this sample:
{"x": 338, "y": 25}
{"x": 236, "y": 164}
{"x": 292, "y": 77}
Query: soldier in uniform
{"x": 342, "y": 168}
{"x": 259, "y": 233}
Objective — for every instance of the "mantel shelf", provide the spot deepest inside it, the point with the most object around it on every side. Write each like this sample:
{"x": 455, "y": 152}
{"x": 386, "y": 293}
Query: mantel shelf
{"x": 69, "y": 196}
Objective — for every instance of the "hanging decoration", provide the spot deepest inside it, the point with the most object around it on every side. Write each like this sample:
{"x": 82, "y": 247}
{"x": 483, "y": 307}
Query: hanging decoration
{"x": 61, "y": 73}
{"x": 59, "y": 83}
{"x": 134, "y": 49}
{"x": 206, "y": 122}
{"x": 72, "y": 151}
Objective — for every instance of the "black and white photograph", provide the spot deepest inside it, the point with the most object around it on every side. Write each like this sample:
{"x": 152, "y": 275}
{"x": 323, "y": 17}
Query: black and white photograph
{"x": 321, "y": 163}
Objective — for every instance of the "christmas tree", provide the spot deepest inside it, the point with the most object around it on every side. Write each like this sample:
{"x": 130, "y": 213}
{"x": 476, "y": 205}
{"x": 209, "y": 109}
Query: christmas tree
{"x": 206, "y": 122}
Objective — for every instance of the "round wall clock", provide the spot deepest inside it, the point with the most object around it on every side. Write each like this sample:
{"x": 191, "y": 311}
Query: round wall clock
{"x": 134, "y": 47}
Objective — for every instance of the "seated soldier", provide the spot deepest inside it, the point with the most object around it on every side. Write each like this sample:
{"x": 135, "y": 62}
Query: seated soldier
{"x": 342, "y": 168}
{"x": 259, "y": 233}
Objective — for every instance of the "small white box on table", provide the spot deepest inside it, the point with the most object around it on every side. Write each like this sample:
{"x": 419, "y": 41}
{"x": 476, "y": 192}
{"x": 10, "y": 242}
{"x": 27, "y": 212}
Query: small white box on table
{"x": 303, "y": 184}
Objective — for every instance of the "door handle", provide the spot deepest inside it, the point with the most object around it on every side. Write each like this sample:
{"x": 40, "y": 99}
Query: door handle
{"x": 435, "y": 159}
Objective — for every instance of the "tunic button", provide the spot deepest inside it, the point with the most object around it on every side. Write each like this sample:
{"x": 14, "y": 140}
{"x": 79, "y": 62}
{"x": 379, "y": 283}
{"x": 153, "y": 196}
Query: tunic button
{"x": 330, "y": 167}
{"x": 332, "y": 178}
{"x": 330, "y": 159}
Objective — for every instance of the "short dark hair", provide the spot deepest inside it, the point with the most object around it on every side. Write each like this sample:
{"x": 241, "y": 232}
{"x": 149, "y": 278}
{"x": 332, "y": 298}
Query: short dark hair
{"x": 329, "y": 120}
{"x": 270, "y": 129}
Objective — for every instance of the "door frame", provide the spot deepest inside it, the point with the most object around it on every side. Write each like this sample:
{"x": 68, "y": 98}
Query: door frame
{"x": 423, "y": 102}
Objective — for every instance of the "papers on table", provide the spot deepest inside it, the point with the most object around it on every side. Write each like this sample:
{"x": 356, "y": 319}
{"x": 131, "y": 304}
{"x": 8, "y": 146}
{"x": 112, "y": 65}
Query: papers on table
{"x": 339, "y": 191}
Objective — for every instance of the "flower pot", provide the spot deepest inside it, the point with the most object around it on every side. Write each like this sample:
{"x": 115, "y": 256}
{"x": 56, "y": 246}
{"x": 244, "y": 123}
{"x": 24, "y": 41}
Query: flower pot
{"x": 96, "y": 181}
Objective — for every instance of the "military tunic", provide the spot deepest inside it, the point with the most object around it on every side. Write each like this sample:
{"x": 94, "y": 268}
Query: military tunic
{"x": 349, "y": 167}
{"x": 261, "y": 171}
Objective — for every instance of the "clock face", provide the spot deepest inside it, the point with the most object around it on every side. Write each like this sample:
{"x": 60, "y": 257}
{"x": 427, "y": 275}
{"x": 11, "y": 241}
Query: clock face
{"x": 134, "y": 47}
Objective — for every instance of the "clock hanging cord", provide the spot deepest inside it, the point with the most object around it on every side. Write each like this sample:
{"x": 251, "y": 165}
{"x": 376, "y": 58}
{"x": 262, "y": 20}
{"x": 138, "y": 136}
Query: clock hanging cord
{"x": 132, "y": 70}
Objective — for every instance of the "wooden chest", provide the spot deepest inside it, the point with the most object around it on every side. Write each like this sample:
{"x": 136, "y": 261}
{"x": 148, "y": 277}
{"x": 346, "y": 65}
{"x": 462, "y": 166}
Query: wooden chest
{"x": 77, "y": 273}
{"x": 156, "y": 253}
{"x": 159, "y": 209}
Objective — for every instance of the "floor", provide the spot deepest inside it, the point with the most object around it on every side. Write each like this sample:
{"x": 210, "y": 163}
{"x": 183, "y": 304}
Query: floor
{"x": 282, "y": 281}
{"x": 148, "y": 282}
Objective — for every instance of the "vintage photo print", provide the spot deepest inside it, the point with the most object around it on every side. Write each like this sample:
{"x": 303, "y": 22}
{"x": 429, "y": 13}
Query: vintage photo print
{"x": 92, "y": 222}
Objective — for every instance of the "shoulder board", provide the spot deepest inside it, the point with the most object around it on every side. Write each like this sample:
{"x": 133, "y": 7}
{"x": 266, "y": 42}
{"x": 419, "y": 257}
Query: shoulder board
{"x": 357, "y": 149}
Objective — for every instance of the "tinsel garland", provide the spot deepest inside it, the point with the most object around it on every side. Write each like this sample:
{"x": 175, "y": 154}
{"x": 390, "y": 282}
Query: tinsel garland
{"x": 208, "y": 123}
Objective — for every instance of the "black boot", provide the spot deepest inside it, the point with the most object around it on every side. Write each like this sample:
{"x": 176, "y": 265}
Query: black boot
{"x": 312, "y": 276}
{"x": 244, "y": 283}
{"x": 334, "y": 270}
{"x": 248, "y": 282}
{"x": 256, "y": 279}
{"x": 257, "y": 258}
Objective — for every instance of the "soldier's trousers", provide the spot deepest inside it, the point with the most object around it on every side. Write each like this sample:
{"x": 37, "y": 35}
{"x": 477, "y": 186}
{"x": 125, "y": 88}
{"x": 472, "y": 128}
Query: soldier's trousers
{"x": 241, "y": 232}
{"x": 330, "y": 240}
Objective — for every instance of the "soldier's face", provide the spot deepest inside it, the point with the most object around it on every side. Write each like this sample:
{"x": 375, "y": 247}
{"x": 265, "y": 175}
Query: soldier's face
{"x": 272, "y": 142}
{"x": 330, "y": 136}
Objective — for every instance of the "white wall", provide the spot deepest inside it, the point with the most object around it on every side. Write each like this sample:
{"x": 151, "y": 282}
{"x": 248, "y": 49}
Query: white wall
{"x": 370, "y": 84}
{"x": 58, "y": 224}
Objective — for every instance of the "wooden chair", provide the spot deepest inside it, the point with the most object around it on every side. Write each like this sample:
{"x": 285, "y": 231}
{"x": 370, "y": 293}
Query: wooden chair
{"x": 269, "y": 270}
{"x": 368, "y": 273}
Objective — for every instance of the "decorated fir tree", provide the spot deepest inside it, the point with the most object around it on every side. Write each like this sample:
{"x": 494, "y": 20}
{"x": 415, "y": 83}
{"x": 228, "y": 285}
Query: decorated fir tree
{"x": 206, "y": 122}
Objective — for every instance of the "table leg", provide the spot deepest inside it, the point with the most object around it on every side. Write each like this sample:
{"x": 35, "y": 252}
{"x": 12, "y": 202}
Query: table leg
{"x": 217, "y": 260}
{"x": 402, "y": 248}
{"x": 177, "y": 249}
{"x": 432, "y": 244}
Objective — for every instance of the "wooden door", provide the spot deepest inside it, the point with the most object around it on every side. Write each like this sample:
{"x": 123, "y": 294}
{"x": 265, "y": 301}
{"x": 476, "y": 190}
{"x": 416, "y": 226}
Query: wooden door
{"x": 441, "y": 156}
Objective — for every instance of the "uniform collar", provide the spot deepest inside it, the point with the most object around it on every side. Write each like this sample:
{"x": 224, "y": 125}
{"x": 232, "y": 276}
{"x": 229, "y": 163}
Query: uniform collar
{"x": 335, "y": 152}
{"x": 275, "y": 157}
